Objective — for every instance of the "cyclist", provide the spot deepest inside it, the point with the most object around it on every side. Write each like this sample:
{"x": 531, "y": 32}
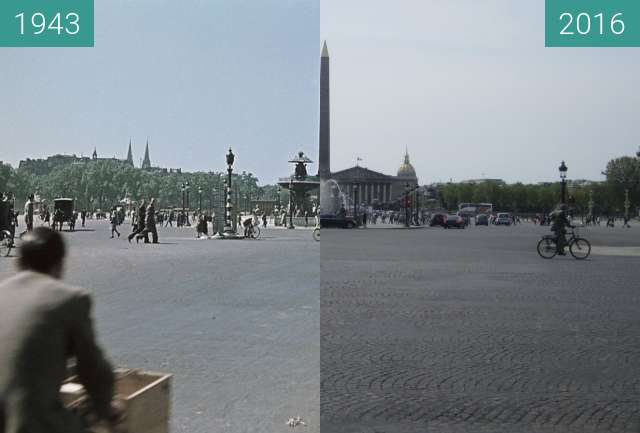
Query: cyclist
{"x": 559, "y": 223}
{"x": 248, "y": 227}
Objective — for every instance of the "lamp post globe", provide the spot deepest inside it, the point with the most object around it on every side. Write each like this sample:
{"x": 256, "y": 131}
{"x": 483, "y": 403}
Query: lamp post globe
{"x": 230, "y": 158}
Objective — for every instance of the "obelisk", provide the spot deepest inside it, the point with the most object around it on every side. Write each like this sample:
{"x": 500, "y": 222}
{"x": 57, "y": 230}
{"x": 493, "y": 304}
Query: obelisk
{"x": 324, "y": 165}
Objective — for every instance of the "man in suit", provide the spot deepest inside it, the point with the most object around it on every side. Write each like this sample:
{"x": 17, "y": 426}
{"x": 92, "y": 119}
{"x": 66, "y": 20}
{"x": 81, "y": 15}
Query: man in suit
{"x": 44, "y": 323}
{"x": 150, "y": 224}
{"x": 140, "y": 219}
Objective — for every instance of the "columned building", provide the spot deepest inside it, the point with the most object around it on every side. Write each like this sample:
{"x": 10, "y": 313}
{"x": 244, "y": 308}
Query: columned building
{"x": 374, "y": 187}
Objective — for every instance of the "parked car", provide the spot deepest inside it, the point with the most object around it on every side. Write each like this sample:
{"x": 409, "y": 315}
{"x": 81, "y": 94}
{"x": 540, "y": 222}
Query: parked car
{"x": 482, "y": 220}
{"x": 437, "y": 220}
{"x": 335, "y": 221}
{"x": 503, "y": 219}
{"x": 454, "y": 221}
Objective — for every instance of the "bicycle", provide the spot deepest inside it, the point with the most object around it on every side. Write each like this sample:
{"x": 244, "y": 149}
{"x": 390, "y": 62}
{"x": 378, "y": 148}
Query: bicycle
{"x": 316, "y": 234}
{"x": 580, "y": 248}
{"x": 253, "y": 232}
{"x": 6, "y": 243}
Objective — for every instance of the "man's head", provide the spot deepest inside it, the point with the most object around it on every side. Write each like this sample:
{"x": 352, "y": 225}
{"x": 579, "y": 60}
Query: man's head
{"x": 31, "y": 196}
{"x": 42, "y": 250}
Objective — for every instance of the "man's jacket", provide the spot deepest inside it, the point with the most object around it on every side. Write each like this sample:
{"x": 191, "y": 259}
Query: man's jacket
{"x": 44, "y": 323}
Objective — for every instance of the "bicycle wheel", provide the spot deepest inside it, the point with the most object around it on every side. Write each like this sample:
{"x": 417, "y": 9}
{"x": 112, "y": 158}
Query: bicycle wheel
{"x": 580, "y": 248}
{"x": 316, "y": 234}
{"x": 5, "y": 247}
{"x": 547, "y": 248}
{"x": 256, "y": 232}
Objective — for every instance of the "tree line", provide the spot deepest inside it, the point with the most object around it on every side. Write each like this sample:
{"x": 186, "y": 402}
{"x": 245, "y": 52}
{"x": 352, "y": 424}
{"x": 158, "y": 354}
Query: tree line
{"x": 607, "y": 197}
{"x": 104, "y": 183}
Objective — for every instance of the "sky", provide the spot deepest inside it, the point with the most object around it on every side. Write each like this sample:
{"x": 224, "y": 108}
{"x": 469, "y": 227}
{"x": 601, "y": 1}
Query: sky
{"x": 469, "y": 88}
{"x": 195, "y": 77}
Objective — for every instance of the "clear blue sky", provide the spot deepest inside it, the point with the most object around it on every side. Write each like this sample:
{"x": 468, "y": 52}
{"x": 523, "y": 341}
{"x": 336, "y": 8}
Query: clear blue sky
{"x": 470, "y": 88}
{"x": 195, "y": 76}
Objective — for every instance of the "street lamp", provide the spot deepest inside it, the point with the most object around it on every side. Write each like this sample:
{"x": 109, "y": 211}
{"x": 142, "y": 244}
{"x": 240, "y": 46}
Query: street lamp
{"x": 355, "y": 201}
{"x": 563, "y": 177}
{"x": 291, "y": 226}
{"x": 184, "y": 190}
{"x": 417, "y": 205}
{"x": 228, "y": 227}
{"x": 406, "y": 205}
{"x": 199, "y": 200}
{"x": 627, "y": 205}
{"x": 591, "y": 204}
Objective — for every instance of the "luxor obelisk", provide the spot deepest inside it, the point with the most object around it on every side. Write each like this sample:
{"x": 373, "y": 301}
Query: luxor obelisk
{"x": 324, "y": 163}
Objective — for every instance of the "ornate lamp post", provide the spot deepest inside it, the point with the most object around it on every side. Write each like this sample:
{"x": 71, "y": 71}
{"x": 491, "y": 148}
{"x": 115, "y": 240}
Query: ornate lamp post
{"x": 184, "y": 189}
{"x": 417, "y": 205}
{"x": 228, "y": 227}
{"x": 591, "y": 204}
{"x": 355, "y": 201}
{"x": 627, "y": 205}
{"x": 406, "y": 205}
{"x": 563, "y": 177}
{"x": 199, "y": 199}
{"x": 291, "y": 226}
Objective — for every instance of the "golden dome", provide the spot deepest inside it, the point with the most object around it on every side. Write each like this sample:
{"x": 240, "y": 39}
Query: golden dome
{"x": 406, "y": 169}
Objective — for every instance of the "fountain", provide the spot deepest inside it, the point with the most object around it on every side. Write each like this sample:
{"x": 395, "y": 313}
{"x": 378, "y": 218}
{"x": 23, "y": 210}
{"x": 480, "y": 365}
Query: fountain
{"x": 301, "y": 186}
{"x": 332, "y": 198}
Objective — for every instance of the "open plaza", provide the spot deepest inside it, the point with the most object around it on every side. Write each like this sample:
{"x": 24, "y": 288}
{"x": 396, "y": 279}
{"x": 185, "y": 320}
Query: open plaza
{"x": 236, "y": 322}
{"x": 432, "y": 330}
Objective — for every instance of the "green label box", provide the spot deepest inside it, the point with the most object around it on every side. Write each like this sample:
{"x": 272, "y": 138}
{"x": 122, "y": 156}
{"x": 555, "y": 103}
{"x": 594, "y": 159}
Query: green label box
{"x": 592, "y": 23}
{"x": 46, "y": 23}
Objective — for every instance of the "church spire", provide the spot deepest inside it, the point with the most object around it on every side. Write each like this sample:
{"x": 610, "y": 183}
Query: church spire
{"x": 406, "y": 155}
{"x": 95, "y": 153}
{"x": 130, "y": 155}
{"x": 146, "y": 163}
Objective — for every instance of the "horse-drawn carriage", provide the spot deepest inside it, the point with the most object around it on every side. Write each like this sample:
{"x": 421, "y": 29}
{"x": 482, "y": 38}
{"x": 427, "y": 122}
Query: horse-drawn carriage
{"x": 64, "y": 212}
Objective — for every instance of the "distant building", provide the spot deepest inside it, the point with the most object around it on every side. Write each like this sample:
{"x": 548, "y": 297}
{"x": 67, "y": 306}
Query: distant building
{"x": 375, "y": 187}
{"x": 483, "y": 180}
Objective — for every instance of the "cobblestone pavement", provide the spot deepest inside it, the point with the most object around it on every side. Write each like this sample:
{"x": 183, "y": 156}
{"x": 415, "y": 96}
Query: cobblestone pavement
{"x": 236, "y": 322}
{"x": 471, "y": 331}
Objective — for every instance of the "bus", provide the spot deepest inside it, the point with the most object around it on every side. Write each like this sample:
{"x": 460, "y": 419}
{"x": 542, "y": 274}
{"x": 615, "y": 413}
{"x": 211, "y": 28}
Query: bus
{"x": 473, "y": 209}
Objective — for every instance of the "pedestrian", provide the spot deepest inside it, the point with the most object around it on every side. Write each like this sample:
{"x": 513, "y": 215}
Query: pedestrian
{"x": 83, "y": 215}
{"x": 264, "y": 220}
{"x": 150, "y": 224}
{"x": 306, "y": 219}
{"x": 140, "y": 219}
{"x": 28, "y": 215}
{"x": 114, "y": 223}
{"x": 45, "y": 324}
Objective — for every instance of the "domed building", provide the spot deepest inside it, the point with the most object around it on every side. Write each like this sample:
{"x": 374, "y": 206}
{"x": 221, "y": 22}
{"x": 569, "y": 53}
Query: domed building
{"x": 374, "y": 187}
{"x": 406, "y": 169}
